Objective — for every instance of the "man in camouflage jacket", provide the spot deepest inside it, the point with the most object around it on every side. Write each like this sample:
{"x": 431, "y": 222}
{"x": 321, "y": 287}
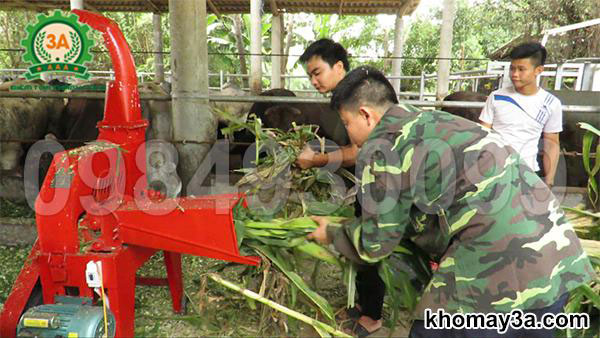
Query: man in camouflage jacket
{"x": 500, "y": 238}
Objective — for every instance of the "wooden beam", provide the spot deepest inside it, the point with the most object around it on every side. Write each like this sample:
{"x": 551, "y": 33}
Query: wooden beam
{"x": 25, "y": 3}
{"x": 155, "y": 8}
{"x": 359, "y": 7}
{"x": 214, "y": 8}
{"x": 90, "y": 7}
{"x": 274, "y": 9}
{"x": 404, "y": 8}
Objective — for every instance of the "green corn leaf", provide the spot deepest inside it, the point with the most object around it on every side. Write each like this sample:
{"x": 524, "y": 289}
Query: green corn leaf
{"x": 315, "y": 250}
{"x": 285, "y": 243}
{"x": 591, "y": 248}
{"x": 321, "y": 332}
{"x": 313, "y": 322}
{"x": 350, "y": 282}
{"x": 293, "y": 294}
{"x": 589, "y": 127}
{"x": 574, "y": 303}
{"x": 588, "y": 140}
{"x": 314, "y": 297}
{"x": 590, "y": 294}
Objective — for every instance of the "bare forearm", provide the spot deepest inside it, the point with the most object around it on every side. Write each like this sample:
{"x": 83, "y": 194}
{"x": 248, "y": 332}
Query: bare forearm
{"x": 550, "y": 160}
{"x": 345, "y": 155}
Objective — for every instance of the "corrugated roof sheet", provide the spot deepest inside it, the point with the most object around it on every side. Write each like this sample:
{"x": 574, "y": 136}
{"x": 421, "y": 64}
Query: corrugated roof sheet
{"x": 350, "y": 7}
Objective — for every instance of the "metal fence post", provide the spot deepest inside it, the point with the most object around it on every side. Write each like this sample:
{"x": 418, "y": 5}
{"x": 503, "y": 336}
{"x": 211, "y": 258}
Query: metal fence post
{"x": 422, "y": 86}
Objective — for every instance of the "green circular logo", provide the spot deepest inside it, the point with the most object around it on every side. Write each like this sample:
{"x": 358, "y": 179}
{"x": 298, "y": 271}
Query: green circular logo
{"x": 57, "y": 43}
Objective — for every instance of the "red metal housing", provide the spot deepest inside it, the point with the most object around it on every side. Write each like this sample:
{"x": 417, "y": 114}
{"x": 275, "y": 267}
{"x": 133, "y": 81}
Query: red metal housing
{"x": 94, "y": 206}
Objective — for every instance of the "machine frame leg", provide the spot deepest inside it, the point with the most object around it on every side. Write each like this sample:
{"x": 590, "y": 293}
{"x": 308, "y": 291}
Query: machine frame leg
{"x": 175, "y": 278}
{"x": 19, "y": 295}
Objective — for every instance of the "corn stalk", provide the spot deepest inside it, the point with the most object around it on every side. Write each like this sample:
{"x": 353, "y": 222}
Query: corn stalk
{"x": 588, "y": 139}
{"x": 319, "y": 326}
{"x": 587, "y": 226}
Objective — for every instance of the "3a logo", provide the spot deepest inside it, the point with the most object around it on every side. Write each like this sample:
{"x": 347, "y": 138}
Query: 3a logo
{"x": 57, "y": 43}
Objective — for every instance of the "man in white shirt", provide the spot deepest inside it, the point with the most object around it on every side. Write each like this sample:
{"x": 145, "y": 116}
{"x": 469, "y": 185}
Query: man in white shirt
{"x": 524, "y": 112}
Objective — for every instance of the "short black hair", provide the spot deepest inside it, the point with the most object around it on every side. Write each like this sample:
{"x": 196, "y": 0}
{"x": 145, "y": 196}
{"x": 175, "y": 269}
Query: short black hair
{"x": 329, "y": 50}
{"x": 364, "y": 85}
{"x": 530, "y": 50}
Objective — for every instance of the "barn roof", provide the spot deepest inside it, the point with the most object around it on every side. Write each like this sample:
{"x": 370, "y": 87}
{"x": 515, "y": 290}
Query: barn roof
{"x": 351, "y": 7}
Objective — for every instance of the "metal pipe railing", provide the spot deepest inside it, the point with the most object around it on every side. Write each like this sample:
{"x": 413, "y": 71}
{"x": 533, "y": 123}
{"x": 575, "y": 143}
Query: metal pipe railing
{"x": 277, "y": 99}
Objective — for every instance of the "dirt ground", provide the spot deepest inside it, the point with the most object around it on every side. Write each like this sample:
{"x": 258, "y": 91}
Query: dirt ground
{"x": 212, "y": 310}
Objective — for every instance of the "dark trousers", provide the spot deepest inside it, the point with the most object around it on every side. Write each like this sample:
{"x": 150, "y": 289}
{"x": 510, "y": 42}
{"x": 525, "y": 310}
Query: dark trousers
{"x": 418, "y": 328}
{"x": 369, "y": 286}
{"x": 371, "y": 290}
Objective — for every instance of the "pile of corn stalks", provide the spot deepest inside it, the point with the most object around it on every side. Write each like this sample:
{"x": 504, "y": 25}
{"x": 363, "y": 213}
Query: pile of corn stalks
{"x": 289, "y": 191}
{"x": 279, "y": 235}
{"x": 587, "y": 225}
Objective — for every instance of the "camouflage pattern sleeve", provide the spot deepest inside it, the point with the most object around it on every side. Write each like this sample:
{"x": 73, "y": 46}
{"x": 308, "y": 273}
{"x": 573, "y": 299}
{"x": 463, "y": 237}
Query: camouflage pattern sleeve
{"x": 385, "y": 198}
{"x": 385, "y": 204}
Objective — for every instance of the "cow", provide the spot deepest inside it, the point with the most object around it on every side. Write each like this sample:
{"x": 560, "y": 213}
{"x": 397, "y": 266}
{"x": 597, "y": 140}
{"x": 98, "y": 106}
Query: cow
{"x": 237, "y": 109}
{"x": 22, "y": 122}
{"x": 471, "y": 114}
{"x": 282, "y": 115}
{"x": 24, "y": 119}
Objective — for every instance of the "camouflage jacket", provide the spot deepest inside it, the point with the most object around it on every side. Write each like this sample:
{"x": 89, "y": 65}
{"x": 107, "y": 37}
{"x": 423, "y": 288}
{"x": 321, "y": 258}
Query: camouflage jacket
{"x": 454, "y": 188}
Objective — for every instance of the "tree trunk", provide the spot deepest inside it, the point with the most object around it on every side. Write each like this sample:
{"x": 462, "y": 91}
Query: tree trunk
{"x": 594, "y": 45}
{"x": 387, "y": 63}
{"x": 239, "y": 41}
{"x": 398, "y": 50}
{"x": 289, "y": 39}
{"x": 159, "y": 66}
{"x": 443, "y": 76}
{"x": 255, "y": 46}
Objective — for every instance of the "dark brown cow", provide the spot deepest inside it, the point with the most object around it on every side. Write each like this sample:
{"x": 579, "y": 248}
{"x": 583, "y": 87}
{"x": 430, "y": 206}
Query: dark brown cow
{"x": 471, "y": 114}
{"x": 282, "y": 115}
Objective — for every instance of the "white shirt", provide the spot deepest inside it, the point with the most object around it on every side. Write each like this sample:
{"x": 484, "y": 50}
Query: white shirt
{"x": 521, "y": 119}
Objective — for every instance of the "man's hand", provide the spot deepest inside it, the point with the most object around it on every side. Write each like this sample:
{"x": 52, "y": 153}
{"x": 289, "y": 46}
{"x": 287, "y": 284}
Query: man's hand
{"x": 305, "y": 159}
{"x": 320, "y": 234}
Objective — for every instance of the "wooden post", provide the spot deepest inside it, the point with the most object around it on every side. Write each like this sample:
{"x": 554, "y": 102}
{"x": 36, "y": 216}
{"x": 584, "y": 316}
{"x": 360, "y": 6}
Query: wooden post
{"x": 398, "y": 50}
{"x": 77, "y": 4}
{"x": 159, "y": 67}
{"x": 255, "y": 46}
{"x": 192, "y": 118}
{"x": 276, "y": 28}
{"x": 443, "y": 76}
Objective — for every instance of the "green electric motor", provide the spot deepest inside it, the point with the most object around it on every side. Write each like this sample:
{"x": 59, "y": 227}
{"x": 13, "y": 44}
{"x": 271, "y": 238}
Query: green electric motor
{"x": 70, "y": 317}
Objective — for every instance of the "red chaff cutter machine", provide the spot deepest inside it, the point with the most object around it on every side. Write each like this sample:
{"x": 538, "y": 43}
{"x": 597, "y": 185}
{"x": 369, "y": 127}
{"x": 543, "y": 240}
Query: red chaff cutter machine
{"x": 98, "y": 224}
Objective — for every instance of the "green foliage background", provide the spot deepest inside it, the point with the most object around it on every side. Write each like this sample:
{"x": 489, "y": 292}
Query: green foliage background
{"x": 481, "y": 28}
